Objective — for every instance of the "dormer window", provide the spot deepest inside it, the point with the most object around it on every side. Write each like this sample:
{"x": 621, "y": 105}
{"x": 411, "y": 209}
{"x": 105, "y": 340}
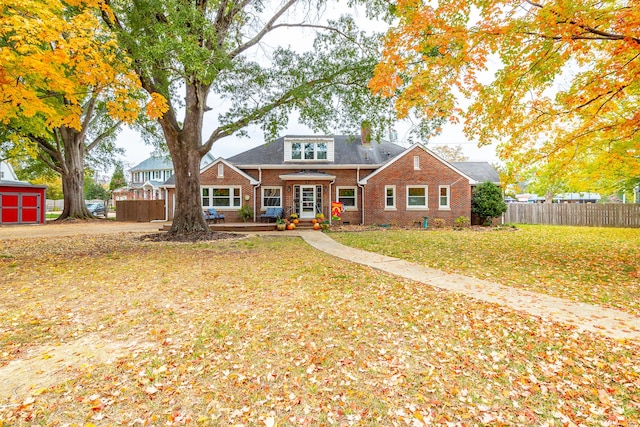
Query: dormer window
{"x": 308, "y": 150}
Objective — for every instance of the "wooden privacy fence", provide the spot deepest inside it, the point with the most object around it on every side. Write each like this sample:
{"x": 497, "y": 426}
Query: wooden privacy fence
{"x": 139, "y": 210}
{"x": 605, "y": 215}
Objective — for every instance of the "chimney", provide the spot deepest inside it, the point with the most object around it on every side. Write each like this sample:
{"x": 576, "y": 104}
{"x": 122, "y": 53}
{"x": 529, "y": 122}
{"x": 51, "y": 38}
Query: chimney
{"x": 365, "y": 133}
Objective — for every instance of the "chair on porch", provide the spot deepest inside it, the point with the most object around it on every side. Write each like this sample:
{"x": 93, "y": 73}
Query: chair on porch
{"x": 271, "y": 213}
{"x": 211, "y": 215}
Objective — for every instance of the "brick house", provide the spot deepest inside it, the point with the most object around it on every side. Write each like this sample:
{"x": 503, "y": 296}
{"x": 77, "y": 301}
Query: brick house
{"x": 377, "y": 183}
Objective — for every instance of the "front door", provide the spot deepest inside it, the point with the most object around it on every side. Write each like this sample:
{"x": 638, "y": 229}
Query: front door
{"x": 308, "y": 201}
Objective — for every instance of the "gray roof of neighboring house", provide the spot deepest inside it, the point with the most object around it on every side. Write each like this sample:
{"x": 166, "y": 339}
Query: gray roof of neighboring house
{"x": 479, "y": 171}
{"x": 348, "y": 150}
{"x": 164, "y": 162}
{"x": 154, "y": 163}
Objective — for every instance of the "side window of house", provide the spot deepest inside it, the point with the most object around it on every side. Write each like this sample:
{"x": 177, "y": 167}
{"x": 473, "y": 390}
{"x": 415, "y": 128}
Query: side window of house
{"x": 223, "y": 197}
{"x": 205, "y": 197}
{"x": 417, "y": 197}
{"x": 220, "y": 170}
{"x": 416, "y": 162}
{"x": 390, "y": 197}
{"x": 347, "y": 196}
{"x": 444, "y": 196}
{"x": 272, "y": 197}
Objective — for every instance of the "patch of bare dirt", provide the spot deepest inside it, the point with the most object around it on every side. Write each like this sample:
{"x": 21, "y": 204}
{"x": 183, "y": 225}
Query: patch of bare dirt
{"x": 189, "y": 237}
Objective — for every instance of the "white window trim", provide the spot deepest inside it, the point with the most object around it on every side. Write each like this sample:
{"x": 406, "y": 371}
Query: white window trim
{"x": 392, "y": 207}
{"x": 416, "y": 163}
{"x": 425, "y": 207}
{"x": 222, "y": 208}
{"x": 220, "y": 170}
{"x": 269, "y": 187}
{"x": 355, "y": 196}
{"x": 446, "y": 207}
{"x": 288, "y": 150}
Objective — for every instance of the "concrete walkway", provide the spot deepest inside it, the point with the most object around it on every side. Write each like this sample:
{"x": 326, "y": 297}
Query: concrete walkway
{"x": 612, "y": 323}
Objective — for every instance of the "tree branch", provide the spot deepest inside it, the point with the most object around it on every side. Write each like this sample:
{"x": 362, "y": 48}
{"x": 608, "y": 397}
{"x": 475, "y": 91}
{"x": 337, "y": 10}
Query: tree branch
{"x": 266, "y": 29}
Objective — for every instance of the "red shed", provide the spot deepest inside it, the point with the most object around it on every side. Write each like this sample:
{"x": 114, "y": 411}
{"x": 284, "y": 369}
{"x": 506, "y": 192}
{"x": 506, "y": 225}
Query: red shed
{"x": 22, "y": 203}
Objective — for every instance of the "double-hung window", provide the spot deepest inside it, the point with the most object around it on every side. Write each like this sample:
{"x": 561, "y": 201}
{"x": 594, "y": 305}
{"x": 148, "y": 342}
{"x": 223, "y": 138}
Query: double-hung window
{"x": 271, "y": 197}
{"x": 443, "y": 197}
{"x": 348, "y": 197}
{"x": 221, "y": 197}
{"x": 417, "y": 197}
{"x": 390, "y": 197}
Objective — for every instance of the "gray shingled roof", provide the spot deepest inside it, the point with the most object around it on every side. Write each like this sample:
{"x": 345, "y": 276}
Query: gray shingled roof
{"x": 348, "y": 150}
{"x": 480, "y": 171}
{"x": 154, "y": 163}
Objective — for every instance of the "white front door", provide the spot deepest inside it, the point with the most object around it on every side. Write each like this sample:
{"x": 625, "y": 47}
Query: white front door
{"x": 307, "y": 201}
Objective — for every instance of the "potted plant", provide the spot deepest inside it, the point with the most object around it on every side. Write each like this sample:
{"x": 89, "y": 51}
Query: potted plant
{"x": 281, "y": 225}
{"x": 245, "y": 213}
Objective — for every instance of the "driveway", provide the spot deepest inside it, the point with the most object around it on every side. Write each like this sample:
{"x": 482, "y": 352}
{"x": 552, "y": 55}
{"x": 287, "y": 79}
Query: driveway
{"x": 72, "y": 228}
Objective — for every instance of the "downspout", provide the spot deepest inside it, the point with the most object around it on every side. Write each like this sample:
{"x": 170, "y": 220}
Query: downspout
{"x": 362, "y": 194}
{"x": 255, "y": 192}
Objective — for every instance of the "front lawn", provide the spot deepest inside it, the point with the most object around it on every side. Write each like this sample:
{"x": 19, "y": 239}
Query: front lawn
{"x": 593, "y": 265}
{"x": 106, "y": 330}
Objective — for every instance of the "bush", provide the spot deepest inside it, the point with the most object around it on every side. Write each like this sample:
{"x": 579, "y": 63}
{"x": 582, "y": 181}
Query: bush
{"x": 487, "y": 202}
{"x": 462, "y": 222}
{"x": 245, "y": 213}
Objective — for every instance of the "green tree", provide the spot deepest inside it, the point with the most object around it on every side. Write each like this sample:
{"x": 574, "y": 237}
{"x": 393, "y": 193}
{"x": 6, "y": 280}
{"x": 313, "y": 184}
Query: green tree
{"x": 487, "y": 201}
{"x": 117, "y": 179}
{"x": 183, "y": 51}
{"x": 93, "y": 190}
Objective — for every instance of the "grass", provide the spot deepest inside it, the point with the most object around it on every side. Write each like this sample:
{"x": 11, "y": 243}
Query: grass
{"x": 267, "y": 331}
{"x": 592, "y": 265}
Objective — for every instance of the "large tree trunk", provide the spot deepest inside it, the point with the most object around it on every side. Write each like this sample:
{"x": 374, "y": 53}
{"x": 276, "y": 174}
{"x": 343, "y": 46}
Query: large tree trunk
{"x": 186, "y": 149}
{"x": 72, "y": 172}
{"x": 188, "y": 216}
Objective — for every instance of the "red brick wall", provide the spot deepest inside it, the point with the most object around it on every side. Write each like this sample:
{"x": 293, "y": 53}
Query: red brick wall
{"x": 230, "y": 178}
{"x": 401, "y": 173}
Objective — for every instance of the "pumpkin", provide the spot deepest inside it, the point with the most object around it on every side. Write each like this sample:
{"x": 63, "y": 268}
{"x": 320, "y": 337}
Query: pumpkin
{"x": 295, "y": 221}
{"x": 316, "y": 226}
{"x": 314, "y": 221}
{"x": 291, "y": 226}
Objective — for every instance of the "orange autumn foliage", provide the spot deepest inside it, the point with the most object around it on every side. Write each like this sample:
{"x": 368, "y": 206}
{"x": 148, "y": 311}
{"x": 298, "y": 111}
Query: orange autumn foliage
{"x": 555, "y": 83}
{"x": 54, "y": 55}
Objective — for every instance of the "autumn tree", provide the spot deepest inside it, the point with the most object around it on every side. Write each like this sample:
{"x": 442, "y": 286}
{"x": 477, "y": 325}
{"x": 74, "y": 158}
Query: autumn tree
{"x": 64, "y": 89}
{"x": 555, "y": 82}
{"x": 186, "y": 51}
{"x": 450, "y": 154}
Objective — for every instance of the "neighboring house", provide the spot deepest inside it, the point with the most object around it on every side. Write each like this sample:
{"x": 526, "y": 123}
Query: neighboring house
{"x": 377, "y": 183}
{"x": 148, "y": 176}
{"x": 6, "y": 172}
